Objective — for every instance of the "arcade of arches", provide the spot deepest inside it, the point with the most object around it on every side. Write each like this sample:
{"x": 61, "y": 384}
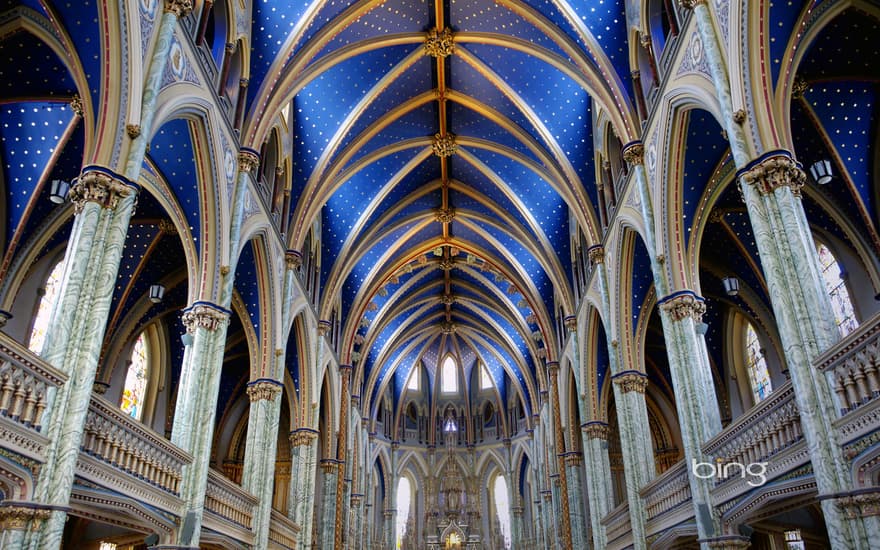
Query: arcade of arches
{"x": 436, "y": 274}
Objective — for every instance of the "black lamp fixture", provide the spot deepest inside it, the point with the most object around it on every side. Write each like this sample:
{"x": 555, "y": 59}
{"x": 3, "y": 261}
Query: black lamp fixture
{"x": 157, "y": 292}
{"x": 731, "y": 285}
{"x": 58, "y": 190}
{"x": 821, "y": 171}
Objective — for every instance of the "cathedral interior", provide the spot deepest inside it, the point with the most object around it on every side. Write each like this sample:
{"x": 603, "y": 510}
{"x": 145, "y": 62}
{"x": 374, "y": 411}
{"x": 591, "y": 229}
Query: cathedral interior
{"x": 439, "y": 274}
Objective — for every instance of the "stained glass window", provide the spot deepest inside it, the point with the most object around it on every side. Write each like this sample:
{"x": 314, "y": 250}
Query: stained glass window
{"x": 136, "y": 380}
{"x": 841, "y": 303}
{"x": 756, "y": 364}
{"x": 485, "y": 378}
{"x": 502, "y": 508}
{"x": 448, "y": 378}
{"x": 404, "y": 496}
{"x": 44, "y": 310}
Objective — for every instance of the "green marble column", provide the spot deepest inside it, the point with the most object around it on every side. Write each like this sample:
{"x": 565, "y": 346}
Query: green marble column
{"x": 561, "y": 496}
{"x": 303, "y": 468}
{"x": 771, "y": 186}
{"x": 574, "y": 473}
{"x": 260, "y": 452}
{"x": 632, "y": 415}
{"x": 516, "y": 527}
{"x": 680, "y": 312}
{"x": 598, "y": 473}
{"x": 329, "y": 472}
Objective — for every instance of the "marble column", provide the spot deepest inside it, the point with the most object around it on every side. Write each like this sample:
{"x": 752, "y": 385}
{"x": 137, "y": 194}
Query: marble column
{"x": 330, "y": 471}
{"x": 598, "y": 472}
{"x": 680, "y": 312}
{"x": 391, "y": 499}
{"x": 341, "y": 448}
{"x": 771, "y": 186}
{"x": 260, "y": 452}
{"x": 564, "y": 513}
{"x": 17, "y": 519}
{"x": 516, "y": 527}
{"x": 574, "y": 473}
{"x": 538, "y": 524}
{"x": 389, "y": 527}
{"x": 301, "y": 495}
{"x": 632, "y": 415}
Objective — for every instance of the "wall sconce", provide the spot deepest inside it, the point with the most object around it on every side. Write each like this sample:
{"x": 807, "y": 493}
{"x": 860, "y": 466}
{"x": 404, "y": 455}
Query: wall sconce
{"x": 157, "y": 292}
{"x": 58, "y": 191}
{"x": 731, "y": 285}
{"x": 821, "y": 171}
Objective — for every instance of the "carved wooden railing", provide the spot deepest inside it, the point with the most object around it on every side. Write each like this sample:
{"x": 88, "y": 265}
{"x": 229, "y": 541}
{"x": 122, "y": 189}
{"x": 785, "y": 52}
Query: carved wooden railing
{"x": 853, "y": 365}
{"x": 24, "y": 380}
{"x": 117, "y": 439}
{"x": 229, "y": 501}
{"x": 283, "y": 531}
{"x": 668, "y": 491}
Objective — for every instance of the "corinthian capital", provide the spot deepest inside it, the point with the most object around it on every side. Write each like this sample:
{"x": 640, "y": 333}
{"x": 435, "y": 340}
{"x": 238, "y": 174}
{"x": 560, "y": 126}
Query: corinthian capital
{"x": 100, "y": 186}
{"x": 597, "y": 254}
{"x": 248, "y": 159}
{"x": 595, "y": 430}
{"x": 263, "y": 390}
{"x": 684, "y": 305}
{"x": 180, "y": 8}
{"x": 631, "y": 381}
{"x": 773, "y": 171}
{"x": 204, "y": 315}
{"x": 634, "y": 153}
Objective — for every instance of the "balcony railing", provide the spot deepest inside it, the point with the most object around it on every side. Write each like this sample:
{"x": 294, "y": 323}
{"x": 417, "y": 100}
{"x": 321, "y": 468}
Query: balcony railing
{"x": 283, "y": 531}
{"x": 853, "y": 366}
{"x": 229, "y": 501}
{"x": 24, "y": 379}
{"x": 667, "y": 492}
{"x": 617, "y": 527}
{"x": 118, "y": 440}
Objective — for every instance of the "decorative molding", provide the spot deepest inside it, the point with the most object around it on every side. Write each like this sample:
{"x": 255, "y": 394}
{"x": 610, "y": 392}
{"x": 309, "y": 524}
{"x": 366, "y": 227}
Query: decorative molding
{"x": 772, "y": 171}
{"x": 448, "y": 327}
{"x": 439, "y": 43}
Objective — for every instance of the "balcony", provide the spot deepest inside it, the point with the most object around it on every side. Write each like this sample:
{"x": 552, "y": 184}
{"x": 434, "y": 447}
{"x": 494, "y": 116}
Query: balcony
{"x": 770, "y": 433}
{"x": 126, "y": 473}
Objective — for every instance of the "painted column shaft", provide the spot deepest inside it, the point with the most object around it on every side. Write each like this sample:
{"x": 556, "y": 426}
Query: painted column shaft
{"x": 799, "y": 300}
{"x": 598, "y": 473}
{"x": 330, "y": 471}
{"x": 576, "y": 500}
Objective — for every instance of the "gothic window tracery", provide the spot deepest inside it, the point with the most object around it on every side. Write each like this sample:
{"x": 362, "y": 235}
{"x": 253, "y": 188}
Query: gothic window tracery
{"x": 448, "y": 378}
{"x": 835, "y": 285}
{"x": 756, "y": 364}
{"x": 135, "y": 388}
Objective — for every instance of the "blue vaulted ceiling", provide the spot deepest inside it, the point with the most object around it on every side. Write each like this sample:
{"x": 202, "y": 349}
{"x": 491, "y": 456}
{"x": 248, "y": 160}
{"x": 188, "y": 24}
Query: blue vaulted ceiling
{"x": 518, "y": 94}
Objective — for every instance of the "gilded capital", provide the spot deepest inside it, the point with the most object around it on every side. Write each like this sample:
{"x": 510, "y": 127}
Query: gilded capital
{"x": 684, "y": 305}
{"x": 180, "y": 8}
{"x": 203, "y": 315}
{"x": 799, "y": 87}
{"x": 634, "y": 153}
{"x": 553, "y": 368}
{"x": 293, "y": 259}
{"x": 573, "y": 459}
{"x": 16, "y": 517}
{"x": 631, "y": 381}
{"x": 570, "y": 322}
{"x": 439, "y": 43}
{"x": 770, "y": 173}
{"x": 323, "y": 327}
{"x": 859, "y": 505}
{"x": 329, "y": 466}
{"x": 98, "y": 186}
{"x": 596, "y": 430}
{"x": 597, "y": 254}
{"x": 76, "y": 105}
{"x": 303, "y": 436}
{"x": 247, "y": 160}
{"x": 263, "y": 390}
